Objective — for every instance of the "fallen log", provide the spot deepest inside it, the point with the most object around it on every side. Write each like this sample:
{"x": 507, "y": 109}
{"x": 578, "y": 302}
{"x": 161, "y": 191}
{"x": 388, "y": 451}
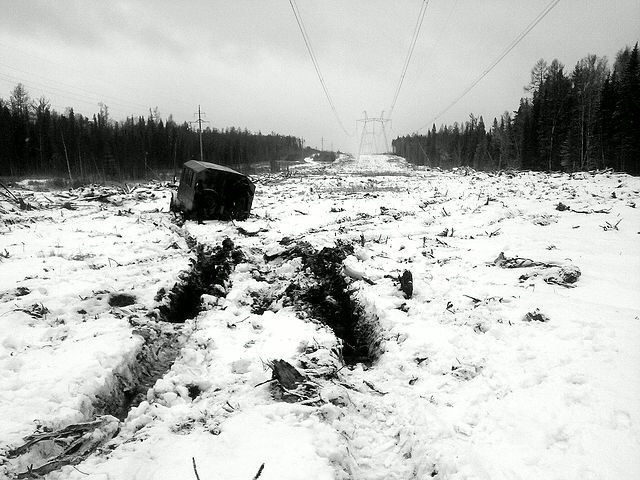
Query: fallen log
{"x": 98, "y": 198}
{"x": 15, "y": 198}
{"x": 519, "y": 262}
{"x": 588, "y": 212}
{"x": 78, "y": 441}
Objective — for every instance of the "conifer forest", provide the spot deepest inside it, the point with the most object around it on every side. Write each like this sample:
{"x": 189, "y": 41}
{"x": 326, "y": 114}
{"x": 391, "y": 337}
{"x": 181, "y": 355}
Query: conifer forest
{"x": 583, "y": 120}
{"x": 35, "y": 139}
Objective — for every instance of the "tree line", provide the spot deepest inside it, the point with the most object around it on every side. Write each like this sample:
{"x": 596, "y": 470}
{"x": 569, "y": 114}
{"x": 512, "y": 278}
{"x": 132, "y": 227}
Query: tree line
{"x": 587, "y": 119}
{"x": 35, "y": 139}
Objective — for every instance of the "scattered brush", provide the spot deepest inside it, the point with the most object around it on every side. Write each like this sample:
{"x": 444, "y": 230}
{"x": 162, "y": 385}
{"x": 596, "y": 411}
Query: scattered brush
{"x": 37, "y": 310}
{"x": 445, "y": 233}
{"x": 565, "y": 277}
{"x": 519, "y": 262}
{"x": 15, "y": 198}
{"x": 69, "y": 445}
{"x": 588, "y": 212}
{"x": 535, "y": 316}
{"x": 608, "y": 226}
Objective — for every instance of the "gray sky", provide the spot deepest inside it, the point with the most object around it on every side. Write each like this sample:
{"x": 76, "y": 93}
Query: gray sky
{"x": 245, "y": 61}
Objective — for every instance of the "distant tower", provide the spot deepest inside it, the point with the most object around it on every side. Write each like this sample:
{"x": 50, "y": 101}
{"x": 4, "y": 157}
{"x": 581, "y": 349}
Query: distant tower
{"x": 370, "y": 138}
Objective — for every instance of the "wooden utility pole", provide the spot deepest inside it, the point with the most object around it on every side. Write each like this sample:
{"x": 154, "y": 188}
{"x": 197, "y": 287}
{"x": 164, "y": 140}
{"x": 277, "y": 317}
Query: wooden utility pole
{"x": 175, "y": 157}
{"x": 200, "y": 121}
{"x": 200, "y": 133}
{"x": 64, "y": 144}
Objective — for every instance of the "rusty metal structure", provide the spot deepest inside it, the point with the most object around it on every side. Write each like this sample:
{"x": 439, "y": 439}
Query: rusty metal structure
{"x": 211, "y": 191}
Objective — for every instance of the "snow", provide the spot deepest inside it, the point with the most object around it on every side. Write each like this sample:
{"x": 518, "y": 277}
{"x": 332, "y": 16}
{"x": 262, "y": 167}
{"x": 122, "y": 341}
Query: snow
{"x": 464, "y": 387}
{"x": 54, "y": 365}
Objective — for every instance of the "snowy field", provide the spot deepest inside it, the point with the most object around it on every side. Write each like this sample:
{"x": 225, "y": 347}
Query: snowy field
{"x": 517, "y": 356}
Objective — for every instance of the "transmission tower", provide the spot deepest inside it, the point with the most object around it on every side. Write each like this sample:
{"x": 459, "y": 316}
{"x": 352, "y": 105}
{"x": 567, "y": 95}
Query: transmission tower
{"x": 200, "y": 121}
{"x": 370, "y": 137}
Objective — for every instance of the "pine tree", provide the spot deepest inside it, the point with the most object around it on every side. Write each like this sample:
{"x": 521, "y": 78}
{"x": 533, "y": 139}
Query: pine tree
{"x": 628, "y": 114}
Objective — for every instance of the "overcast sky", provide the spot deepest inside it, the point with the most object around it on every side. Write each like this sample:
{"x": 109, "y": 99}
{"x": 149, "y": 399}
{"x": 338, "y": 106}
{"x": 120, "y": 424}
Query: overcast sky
{"x": 245, "y": 61}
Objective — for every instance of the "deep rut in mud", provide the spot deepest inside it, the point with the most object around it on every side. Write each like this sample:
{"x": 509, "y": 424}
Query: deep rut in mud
{"x": 162, "y": 344}
{"x": 208, "y": 274}
{"x": 162, "y": 334}
{"x": 327, "y": 297}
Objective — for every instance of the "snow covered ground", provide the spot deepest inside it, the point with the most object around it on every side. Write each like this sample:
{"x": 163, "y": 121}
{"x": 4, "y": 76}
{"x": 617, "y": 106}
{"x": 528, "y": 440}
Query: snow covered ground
{"x": 464, "y": 384}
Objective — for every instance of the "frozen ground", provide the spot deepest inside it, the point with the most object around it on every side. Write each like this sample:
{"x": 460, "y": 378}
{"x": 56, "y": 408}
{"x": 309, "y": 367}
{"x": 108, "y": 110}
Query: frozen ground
{"x": 462, "y": 386}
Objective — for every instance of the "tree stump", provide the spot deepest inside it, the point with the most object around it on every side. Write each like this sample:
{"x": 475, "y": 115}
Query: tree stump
{"x": 286, "y": 374}
{"x": 406, "y": 283}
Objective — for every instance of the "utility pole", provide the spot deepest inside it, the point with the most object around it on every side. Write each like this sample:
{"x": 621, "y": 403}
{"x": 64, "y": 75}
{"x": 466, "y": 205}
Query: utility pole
{"x": 200, "y": 132}
{"x": 200, "y": 121}
{"x": 322, "y": 147}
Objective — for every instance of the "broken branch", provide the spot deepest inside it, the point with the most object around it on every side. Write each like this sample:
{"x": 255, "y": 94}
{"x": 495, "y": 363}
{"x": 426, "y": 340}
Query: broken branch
{"x": 257, "y": 475}
{"x": 195, "y": 469}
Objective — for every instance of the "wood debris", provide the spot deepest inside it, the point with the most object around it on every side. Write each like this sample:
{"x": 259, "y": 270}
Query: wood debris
{"x": 286, "y": 374}
{"x": 535, "y": 316}
{"x": 406, "y": 283}
{"x": 518, "y": 262}
{"x": 291, "y": 385}
{"x": 71, "y": 444}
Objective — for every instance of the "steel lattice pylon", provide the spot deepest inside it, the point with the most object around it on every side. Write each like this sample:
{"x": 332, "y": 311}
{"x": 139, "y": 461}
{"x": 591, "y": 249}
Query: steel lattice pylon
{"x": 369, "y": 137}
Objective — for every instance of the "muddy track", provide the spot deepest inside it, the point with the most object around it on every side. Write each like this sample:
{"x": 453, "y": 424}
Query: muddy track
{"x": 162, "y": 338}
{"x": 321, "y": 292}
{"x": 382, "y": 434}
{"x": 162, "y": 344}
{"x": 208, "y": 274}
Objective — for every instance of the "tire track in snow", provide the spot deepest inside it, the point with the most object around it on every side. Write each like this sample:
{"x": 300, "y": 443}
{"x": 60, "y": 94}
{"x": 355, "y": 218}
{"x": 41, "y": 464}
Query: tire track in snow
{"x": 380, "y": 436}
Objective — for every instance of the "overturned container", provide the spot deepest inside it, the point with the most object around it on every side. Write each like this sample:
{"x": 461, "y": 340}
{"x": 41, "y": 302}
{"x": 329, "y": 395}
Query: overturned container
{"x": 211, "y": 191}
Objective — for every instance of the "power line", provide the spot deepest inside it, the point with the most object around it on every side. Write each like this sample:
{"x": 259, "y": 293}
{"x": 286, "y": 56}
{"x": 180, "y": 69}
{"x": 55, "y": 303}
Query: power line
{"x": 443, "y": 28}
{"x": 314, "y": 60}
{"x": 83, "y": 72}
{"x": 412, "y": 45}
{"x": 48, "y": 90}
{"x": 42, "y": 87}
{"x": 109, "y": 98}
{"x": 545, "y": 11}
{"x": 54, "y": 105}
{"x": 434, "y": 47}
